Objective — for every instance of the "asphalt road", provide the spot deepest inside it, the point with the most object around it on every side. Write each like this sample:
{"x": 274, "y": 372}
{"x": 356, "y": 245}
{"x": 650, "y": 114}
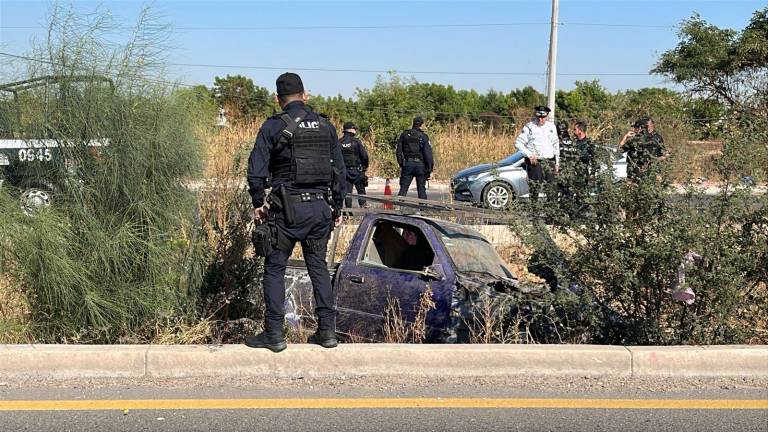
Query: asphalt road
{"x": 508, "y": 404}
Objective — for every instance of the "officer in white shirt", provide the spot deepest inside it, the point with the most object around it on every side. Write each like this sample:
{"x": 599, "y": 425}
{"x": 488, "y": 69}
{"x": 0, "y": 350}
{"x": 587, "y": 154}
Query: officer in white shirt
{"x": 539, "y": 142}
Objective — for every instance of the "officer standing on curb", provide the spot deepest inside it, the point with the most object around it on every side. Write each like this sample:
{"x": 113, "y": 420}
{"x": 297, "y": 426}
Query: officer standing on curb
{"x": 356, "y": 161}
{"x": 539, "y": 142}
{"x": 414, "y": 155}
{"x": 298, "y": 152}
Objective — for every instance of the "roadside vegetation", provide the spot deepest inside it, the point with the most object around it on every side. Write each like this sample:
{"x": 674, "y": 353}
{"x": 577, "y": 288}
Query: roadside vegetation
{"x": 150, "y": 237}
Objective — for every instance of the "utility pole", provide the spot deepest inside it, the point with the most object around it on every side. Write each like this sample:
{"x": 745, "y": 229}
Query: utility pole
{"x": 552, "y": 64}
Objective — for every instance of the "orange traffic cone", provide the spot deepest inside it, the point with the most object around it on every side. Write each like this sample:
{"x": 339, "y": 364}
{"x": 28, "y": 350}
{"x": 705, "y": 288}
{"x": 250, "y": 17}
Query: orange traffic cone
{"x": 388, "y": 192}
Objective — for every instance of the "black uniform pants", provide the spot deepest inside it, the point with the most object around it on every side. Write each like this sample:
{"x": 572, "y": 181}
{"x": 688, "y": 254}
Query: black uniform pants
{"x": 312, "y": 228}
{"x": 409, "y": 171}
{"x": 354, "y": 179}
{"x": 541, "y": 176}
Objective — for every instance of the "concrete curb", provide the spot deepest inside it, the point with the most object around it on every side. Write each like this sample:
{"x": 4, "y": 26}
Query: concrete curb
{"x": 73, "y": 361}
{"x": 384, "y": 360}
{"x": 713, "y": 361}
{"x": 180, "y": 361}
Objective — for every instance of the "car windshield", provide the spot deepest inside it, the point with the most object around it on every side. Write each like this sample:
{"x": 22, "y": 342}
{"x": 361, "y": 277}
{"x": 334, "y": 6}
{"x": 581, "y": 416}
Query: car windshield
{"x": 514, "y": 157}
{"x": 471, "y": 253}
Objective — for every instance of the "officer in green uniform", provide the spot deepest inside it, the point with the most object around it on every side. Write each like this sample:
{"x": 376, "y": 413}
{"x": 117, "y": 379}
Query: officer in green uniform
{"x": 579, "y": 167}
{"x": 643, "y": 150}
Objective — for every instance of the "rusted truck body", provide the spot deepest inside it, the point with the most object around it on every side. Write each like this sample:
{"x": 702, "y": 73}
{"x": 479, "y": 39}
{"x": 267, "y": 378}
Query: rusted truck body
{"x": 392, "y": 261}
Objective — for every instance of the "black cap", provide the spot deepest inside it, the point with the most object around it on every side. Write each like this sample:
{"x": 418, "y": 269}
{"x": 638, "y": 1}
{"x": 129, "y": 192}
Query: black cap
{"x": 418, "y": 121}
{"x": 349, "y": 125}
{"x": 542, "y": 111}
{"x": 640, "y": 123}
{"x": 289, "y": 83}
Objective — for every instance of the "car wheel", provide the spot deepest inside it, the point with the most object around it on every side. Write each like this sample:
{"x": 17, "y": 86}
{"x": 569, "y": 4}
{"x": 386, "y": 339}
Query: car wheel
{"x": 34, "y": 199}
{"x": 498, "y": 196}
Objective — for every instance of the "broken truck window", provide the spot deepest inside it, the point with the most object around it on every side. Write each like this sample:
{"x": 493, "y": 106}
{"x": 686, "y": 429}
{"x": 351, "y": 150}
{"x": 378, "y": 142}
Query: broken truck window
{"x": 399, "y": 246}
{"x": 470, "y": 252}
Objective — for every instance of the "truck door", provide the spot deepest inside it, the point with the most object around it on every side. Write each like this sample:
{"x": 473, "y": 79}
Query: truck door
{"x": 383, "y": 284}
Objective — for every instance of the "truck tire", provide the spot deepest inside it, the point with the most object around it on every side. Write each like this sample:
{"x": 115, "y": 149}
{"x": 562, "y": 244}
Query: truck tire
{"x": 498, "y": 195}
{"x": 35, "y": 198}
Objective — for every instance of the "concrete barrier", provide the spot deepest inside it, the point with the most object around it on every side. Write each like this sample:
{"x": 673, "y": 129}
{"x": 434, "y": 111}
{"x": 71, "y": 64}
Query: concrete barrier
{"x": 389, "y": 359}
{"x": 700, "y": 361}
{"x": 72, "y": 361}
{"x": 180, "y": 361}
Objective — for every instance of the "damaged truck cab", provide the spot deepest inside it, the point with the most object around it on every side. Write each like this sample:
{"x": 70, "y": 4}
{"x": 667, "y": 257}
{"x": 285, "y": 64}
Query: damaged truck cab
{"x": 392, "y": 261}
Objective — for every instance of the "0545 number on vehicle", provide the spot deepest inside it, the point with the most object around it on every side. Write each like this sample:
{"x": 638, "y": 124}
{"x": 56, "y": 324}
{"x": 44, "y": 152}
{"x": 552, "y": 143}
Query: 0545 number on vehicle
{"x": 31, "y": 155}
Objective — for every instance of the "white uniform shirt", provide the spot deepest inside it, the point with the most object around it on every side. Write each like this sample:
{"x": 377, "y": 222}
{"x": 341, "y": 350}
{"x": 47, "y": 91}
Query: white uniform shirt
{"x": 539, "y": 140}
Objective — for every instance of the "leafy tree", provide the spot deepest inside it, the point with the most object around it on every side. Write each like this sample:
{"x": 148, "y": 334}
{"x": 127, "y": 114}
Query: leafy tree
{"x": 588, "y": 100}
{"x": 722, "y": 64}
{"x": 241, "y": 98}
{"x": 731, "y": 68}
{"x": 199, "y": 98}
{"x": 526, "y": 97}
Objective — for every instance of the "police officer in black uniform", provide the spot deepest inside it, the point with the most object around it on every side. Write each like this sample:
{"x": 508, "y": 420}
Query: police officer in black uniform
{"x": 356, "y": 161}
{"x": 577, "y": 177}
{"x": 563, "y": 135}
{"x": 298, "y": 152}
{"x": 414, "y": 155}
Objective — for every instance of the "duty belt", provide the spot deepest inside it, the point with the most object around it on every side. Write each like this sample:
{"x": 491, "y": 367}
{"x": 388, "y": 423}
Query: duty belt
{"x": 414, "y": 160}
{"x": 307, "y": 196}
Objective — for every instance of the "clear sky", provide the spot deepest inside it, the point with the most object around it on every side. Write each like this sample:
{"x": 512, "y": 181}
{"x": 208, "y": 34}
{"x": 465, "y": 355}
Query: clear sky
{"x": 432, "y": 36}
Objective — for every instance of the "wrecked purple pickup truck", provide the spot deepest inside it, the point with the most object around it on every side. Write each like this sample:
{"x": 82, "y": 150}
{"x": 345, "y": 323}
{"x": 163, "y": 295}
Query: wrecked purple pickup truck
{"x": 395, "y": 259}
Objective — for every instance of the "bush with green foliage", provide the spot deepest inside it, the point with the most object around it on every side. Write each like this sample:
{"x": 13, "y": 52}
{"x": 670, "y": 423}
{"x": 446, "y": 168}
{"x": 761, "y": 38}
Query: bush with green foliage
{"x": 628, "y": 240}
{"x": 108, "y": 262}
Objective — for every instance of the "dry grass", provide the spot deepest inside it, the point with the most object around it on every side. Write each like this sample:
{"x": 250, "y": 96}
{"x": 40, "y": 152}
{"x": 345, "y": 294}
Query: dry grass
{"x": 14, "y": 314}
{"x": 395, "y": 327}
{"x": 426, "y": 304}
{"x": 226, "y": 162}
{"x": 398, "y": 330}
{"x": 176, "y": 331}
{"x": 516, "y": 255}
{"x": 459, "y": 146}
{"x": 695, "y": 159}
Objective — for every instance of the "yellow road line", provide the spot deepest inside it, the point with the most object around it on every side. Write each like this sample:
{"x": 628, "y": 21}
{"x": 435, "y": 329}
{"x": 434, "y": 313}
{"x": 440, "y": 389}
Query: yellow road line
{"x": 477, "y": 403}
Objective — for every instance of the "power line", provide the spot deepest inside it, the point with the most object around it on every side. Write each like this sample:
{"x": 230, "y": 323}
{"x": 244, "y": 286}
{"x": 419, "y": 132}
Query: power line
{"x": 375, "y": 27}
{"x": 348, "y": 70}
{"x": 409, "y": 72}
{"x": 588, "y": 24}
{"x": 354, "y": 110}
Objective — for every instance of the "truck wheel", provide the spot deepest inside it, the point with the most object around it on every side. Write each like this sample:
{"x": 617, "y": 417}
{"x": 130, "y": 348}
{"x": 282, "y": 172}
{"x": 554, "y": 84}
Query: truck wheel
{"x": 34, "y": 199}
{"x": 498, "y": 196}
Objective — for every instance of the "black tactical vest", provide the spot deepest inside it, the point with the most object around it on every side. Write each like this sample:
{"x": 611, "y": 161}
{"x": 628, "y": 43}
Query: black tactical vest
{"x": 349, "y": 150}
{"x": 305, "y": 159}
{"x": 412, "y": 144}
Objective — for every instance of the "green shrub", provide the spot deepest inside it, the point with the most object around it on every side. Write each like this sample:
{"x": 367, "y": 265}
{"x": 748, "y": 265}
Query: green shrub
{"x": 107, "y": 261}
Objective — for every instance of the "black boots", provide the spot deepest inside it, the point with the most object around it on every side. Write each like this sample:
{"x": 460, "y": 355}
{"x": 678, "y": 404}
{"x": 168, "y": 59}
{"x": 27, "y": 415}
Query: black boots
{"x": 275, "y": 340}
{"x": 324, "y": 338}
{"x": 270, "y": 341}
